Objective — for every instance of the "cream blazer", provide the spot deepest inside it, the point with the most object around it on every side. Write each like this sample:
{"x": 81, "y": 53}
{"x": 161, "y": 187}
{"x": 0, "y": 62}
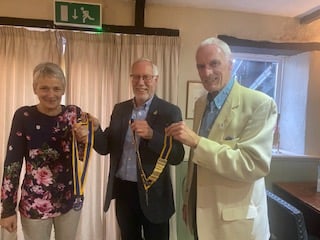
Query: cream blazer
{"x": 231, "y": 165}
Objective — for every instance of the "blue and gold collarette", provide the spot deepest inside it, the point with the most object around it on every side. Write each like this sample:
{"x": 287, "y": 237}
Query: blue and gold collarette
{"x": 80, "y": 165}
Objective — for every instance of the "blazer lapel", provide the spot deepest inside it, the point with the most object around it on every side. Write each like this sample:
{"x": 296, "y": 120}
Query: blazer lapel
{"x": 125, "y": 119}
{"x": 198, "y": 113}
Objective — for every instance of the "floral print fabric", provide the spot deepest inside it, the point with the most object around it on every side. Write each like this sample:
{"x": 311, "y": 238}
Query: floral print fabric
{"x": 45, "y": 142}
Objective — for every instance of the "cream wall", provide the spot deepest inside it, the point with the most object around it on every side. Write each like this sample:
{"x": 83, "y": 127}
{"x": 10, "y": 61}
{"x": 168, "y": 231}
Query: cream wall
{"x": 313, "y": 110}
{"x": 294, "y": 102}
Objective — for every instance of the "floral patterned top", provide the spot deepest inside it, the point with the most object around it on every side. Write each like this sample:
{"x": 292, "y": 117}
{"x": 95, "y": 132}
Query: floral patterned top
{"x": 45, "y": 142}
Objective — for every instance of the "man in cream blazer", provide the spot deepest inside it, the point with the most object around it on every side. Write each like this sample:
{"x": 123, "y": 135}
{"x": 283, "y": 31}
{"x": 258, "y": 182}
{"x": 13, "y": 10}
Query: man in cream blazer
{"x": 225, "y": 195}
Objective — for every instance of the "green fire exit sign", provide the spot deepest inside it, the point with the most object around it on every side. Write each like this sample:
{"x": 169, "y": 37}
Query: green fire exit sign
{"x": 77, "y": 14}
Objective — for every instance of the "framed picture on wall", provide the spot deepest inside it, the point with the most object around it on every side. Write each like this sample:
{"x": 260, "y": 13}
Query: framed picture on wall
{"x": 194, "y": 91}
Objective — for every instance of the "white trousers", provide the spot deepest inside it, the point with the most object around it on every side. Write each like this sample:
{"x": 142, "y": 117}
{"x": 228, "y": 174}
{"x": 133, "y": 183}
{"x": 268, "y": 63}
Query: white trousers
{"x": 65, "y": 227}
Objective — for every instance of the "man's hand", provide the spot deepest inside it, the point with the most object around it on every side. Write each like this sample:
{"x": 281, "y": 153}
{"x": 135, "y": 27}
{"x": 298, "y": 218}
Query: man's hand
{"x": 182, "y": 133}
{"x": 9, "y": 223}
{"x": 95, "y": 121}
{"x": 142, "y": 129}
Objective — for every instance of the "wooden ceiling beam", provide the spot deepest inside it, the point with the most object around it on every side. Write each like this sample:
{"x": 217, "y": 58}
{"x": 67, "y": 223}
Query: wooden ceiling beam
{"x": 139, "y": 13}
{"x": 313, "y": 16}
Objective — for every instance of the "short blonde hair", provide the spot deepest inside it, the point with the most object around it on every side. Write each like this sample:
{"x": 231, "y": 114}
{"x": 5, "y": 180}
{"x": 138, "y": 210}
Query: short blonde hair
{"x": 48, "y": 69}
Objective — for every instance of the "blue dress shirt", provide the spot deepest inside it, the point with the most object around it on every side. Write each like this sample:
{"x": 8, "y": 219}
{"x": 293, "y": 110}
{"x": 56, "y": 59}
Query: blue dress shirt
{"x": 128, "y": 162}
{"x": 213, "y": 108}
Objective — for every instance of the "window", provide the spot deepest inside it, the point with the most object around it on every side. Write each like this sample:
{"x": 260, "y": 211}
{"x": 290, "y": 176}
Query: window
{"x": 262, "y": 73}
{"x": 259, "y": 72}
{"x": 296, "y": 84}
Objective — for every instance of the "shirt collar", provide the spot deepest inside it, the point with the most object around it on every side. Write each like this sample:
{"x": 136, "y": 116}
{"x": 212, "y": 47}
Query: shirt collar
{"x": 145, "y": 106}
{"x": 223, "y": 94}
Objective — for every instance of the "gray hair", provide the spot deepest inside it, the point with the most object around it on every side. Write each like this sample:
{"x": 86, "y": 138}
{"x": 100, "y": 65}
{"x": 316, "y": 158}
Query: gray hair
{"x": 48, "y": 69}
{"x": 219, "y": 43}
{"x": 155, "y": 70}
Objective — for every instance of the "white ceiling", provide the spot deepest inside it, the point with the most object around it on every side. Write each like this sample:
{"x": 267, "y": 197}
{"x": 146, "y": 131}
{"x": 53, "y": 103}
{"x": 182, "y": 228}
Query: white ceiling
{"x": 286, "y": 8}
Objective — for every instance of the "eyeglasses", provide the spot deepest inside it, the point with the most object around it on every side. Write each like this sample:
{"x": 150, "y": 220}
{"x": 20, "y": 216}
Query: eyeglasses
{"x": 145, "y": 78}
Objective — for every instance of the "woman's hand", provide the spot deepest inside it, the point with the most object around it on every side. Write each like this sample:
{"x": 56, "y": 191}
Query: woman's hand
{"x": 81, "y": 128}
{"x": 9, "y": 223}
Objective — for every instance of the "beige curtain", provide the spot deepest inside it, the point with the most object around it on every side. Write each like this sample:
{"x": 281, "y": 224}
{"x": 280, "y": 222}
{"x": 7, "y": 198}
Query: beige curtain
{"x": 20, "y": 51}
{"x": 98, "y": 67}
